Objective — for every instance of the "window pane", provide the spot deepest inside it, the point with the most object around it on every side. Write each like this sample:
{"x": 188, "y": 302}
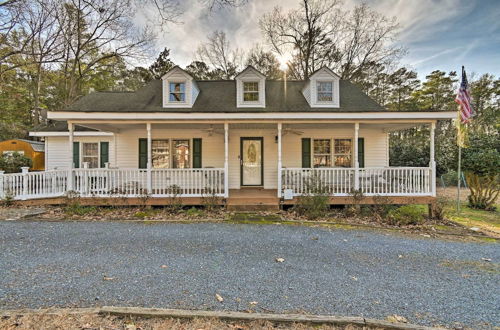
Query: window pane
{"x": 343, "y": 161}
{"x": 251, "y": 86}
{"x": 181, "y": 154}
{"x": 322, "y": 161}
{"x": 324, "y": 91}
{"x": 90, "y": 154}
{"x": 343, "y": 146}
{"x": 250, "y": 96}
{"x": 177, "y": 92}
{"x": 322, "y": 146}
{"x": 160, "y": 153}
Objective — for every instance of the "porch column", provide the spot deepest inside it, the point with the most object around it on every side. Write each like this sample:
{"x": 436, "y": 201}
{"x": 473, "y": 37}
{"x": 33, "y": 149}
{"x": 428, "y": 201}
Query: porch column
{"x": 432, "y": 163}
{"x": 149, "y": 163}
{"x": 356, "y": 160}
{"x": 69, "y": 184}
{"x": 279, "y": 159}
{"x": 226, "y": 160}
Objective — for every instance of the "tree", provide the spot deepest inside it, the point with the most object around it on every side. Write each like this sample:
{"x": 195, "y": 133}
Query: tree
{"x": 12, "y": 163}
{"x": 217, "y": 52}
{"x": 319, "y": 33}
{"x": 481, "y": 165}
{"x": 265, "y": 62}
{"x": 94, "y": 32}
{"x": 162, "y": 65}
{"x": 199, "y": 70}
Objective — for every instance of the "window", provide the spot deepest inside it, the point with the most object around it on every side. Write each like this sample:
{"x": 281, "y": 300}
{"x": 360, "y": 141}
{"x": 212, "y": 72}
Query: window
{"x": 325, "y": 91}
{"x": 322, "y": 153}
{"x": 250, "y": 91}
{"x": 90, "y": 154}
{"x": 181, "y": 154}
{"x": 342, "y": 152}
{"x": 160, "y": 153}
{"x": 177, "y": 92}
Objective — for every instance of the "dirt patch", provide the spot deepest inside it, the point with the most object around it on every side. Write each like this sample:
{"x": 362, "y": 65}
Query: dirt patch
{"x": 96, "y": 321}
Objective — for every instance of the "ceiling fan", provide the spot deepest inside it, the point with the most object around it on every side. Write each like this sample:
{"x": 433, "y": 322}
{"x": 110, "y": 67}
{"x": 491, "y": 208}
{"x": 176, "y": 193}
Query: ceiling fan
{"x": 211, "y": 130}
{"x": 287, "y": 130}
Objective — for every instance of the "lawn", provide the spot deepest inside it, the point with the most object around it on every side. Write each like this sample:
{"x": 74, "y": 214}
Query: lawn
{"x": 489, "y": 220}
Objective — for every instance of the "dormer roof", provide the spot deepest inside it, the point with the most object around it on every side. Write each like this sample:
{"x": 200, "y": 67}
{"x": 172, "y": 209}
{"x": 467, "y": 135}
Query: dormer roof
{"x": 251, "y": 69}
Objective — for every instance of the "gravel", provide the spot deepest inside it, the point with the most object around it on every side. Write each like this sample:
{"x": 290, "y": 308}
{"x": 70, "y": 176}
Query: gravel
{"x": 325, "y": 271}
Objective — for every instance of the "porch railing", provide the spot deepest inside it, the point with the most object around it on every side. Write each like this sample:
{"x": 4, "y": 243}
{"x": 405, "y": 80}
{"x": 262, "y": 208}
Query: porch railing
{"x": 390, "y": 181}
{"x": 113, "y": 183}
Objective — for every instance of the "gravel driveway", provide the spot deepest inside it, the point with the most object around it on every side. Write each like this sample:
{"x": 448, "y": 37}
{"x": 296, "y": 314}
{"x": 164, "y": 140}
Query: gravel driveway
{"x": 327, "y": 271}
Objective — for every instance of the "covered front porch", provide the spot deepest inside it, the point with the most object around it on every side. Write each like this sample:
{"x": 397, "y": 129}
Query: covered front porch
{"x": 219, "y": 158}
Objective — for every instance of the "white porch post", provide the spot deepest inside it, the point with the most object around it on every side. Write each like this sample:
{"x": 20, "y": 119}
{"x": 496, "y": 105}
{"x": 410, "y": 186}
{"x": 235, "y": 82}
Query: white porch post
{"x": 356, "y": 160}
{"x": 279, "y": 159}
{"x": 226, "y": 160}
{"x": 432, "y": 163}
{"x": 71, "y": 164}
{"x": 149, "y": 163}
{"x": 2, "y": 192}
{"x": 24, "y": 171}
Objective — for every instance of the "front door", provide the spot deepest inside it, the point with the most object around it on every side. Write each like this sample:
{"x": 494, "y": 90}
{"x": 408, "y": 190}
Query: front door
{"x": 251, "y": 161}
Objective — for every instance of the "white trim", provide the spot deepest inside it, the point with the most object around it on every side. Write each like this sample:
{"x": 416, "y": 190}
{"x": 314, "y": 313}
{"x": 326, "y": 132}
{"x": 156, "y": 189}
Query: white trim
{"x": 74, "y": 134}
{"x": 73, "y": 115}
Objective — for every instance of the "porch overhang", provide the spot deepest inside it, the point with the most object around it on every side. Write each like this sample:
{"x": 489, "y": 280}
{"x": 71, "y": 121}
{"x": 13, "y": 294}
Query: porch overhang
{"x": 248, "y": 116}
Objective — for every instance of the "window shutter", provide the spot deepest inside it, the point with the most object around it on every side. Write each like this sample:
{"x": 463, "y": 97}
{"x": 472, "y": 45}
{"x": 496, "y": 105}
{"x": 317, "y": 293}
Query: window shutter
{"x": 361, "y": 152}
{"x": 306, "y": 152}
{"x": 76, "y": 154}
{"x": 197, "y": 153}
{"x": 104, "y": 153}
{"x": 143, "y": 153}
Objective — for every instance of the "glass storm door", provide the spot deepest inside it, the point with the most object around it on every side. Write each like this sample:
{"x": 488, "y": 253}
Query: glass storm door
{"x": 251, "y": 161}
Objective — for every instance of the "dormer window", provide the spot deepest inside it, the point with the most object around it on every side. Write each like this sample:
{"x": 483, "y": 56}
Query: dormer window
{"x": 251, "y": 91}
{"x": 177, "y": 92}
{"x": 325, "y": 91}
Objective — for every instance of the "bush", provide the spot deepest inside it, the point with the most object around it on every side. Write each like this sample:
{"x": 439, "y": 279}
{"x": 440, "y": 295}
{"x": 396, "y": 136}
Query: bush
{"x": 12, "y": 163}
{"x": 481, "y": 164}
{"x": 406, "y": 215}
{"x": 314, "y": 204}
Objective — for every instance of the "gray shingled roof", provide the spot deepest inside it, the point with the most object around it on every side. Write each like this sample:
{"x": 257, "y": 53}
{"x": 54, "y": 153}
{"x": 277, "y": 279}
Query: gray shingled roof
{"x": 61, "y": 126}
{"x": 220, "y": 96}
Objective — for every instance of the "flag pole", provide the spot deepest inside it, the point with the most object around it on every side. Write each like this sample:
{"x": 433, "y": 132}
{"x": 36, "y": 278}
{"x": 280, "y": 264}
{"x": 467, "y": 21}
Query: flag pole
{"x": 459, "y": 174}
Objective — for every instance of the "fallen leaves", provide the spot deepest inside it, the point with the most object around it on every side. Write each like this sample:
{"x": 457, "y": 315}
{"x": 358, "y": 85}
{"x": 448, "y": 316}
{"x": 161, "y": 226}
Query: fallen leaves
{"x": 280, "y": 259}
{"x": 107, "y": 278}
{"x": 219, "y": 297}
{"x": 397, "y": 319}
{"x": 164, "y": 266}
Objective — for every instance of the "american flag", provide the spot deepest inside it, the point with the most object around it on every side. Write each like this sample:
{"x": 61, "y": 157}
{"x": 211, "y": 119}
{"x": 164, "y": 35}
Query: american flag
{"x": 464, "y": 100}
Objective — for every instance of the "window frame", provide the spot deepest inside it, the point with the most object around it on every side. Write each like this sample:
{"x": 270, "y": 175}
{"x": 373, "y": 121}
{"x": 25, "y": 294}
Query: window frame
{"x": 82, "y": 156}
{"x": 333, "y": 154}
{"x": 169, "y": 150}
{"x": 252, "y": 92}
{"x": 319, "y": 82}
{"x": 171, "y": 155}
{"x": 170, "y": 93}
{"x": 314, "y": 154}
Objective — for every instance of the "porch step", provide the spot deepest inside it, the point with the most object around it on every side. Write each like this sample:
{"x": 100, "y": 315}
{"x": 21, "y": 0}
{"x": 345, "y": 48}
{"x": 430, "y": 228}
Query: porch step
{"x": 253, "y": 204}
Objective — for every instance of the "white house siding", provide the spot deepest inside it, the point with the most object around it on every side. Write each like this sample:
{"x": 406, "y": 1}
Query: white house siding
{"x": 375, "y": 144}
{"x": 59, "y": 155}
{"x": 126, "y": 152}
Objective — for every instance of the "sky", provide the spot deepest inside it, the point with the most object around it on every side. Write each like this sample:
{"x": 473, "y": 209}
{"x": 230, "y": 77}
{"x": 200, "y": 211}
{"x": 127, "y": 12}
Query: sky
{"x": 438, "y": 34}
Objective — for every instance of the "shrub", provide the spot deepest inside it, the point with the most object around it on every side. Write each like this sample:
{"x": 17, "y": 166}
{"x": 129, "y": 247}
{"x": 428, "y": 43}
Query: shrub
{"x": 12, "y": 163}
{"x": 210, "y": 200}
{"x": 316, "y": 203}
{"x": 482, "y": 171}
{"x": 406, "y": 215}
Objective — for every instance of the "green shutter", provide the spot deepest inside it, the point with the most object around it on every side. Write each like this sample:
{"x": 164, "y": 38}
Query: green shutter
{"x": 361, "y": 152}
{"x": 196, "y": 153}
{"x": 76, "y": 154}
{"x": 306, "y": 153}
{"x": 143, "y": 153}
{"x": 104, "y": 153}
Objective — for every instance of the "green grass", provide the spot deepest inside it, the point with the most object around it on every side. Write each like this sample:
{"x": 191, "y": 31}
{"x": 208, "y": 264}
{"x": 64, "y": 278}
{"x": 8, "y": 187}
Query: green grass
{"x": 489, "y": 220}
